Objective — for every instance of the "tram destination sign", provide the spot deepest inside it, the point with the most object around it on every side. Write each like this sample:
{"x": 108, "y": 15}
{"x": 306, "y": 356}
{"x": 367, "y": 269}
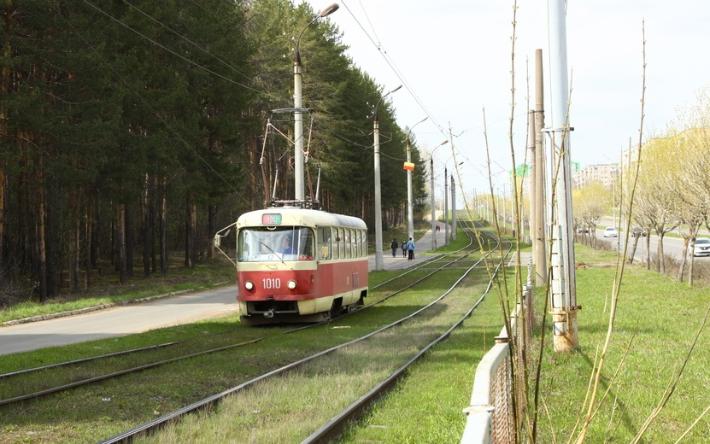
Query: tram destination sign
{"x": 271, "y": 219}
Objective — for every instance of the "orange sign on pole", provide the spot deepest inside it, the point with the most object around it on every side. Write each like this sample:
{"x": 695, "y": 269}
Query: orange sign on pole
{"x": 408, "y": 166}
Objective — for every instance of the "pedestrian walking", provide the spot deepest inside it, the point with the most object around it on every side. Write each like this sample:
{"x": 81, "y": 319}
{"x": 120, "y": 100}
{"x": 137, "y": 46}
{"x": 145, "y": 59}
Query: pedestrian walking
{"x": 404, "y": 248}
{"x": 410, "y": 248}
{"x": 394, "y": 245}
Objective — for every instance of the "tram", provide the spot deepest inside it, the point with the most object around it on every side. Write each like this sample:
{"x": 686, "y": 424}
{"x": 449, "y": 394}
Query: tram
{"x": 298, "y": 264}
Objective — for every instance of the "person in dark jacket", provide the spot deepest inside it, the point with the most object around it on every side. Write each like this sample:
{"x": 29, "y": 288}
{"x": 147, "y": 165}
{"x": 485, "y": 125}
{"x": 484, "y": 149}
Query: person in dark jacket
{"x": 394, "y": 246}
{"x": 404, "y": 248}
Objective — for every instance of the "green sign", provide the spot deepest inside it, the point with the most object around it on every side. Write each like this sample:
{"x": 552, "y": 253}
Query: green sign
{"x": 523, "y": 170}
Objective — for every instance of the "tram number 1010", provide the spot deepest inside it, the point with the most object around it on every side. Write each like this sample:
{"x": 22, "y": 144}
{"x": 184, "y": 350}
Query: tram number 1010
{"x": 271, "y": 283}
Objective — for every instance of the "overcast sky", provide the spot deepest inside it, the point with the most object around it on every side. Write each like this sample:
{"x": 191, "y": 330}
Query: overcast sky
{"x": 456, "y": 57}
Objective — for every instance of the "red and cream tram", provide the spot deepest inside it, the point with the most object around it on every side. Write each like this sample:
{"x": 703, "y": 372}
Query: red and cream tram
{"x": 297, "y": 264}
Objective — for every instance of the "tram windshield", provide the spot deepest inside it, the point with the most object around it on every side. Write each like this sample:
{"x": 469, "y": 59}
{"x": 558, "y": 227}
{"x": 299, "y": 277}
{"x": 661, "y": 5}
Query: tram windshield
{"x": 275, "y": 244}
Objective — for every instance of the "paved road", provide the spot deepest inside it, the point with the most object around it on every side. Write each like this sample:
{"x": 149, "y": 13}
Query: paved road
{"x": 671, "y": 246}
{"x": 118, "y": 321}
{"x": 398, "y": 262}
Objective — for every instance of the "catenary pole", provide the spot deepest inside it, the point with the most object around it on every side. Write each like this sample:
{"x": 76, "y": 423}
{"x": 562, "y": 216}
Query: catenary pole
{"x": 446, "y": 207}
{"x": 433, "y": 209}
{"x": 564, "y": 300}
{"x": 540, "y": 246}
{"x": 379, "y": 258}
{"x": 410, "y": 210}
{"x": 453, "y": 208}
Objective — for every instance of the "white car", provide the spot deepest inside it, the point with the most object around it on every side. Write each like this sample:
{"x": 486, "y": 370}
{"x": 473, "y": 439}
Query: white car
{"x": 610, "y": 232}
{"x": 701, "y": 247}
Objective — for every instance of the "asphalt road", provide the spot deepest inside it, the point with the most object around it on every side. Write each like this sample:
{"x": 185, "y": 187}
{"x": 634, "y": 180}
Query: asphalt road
{"x": 672, "y": 246}
{"x": 118, "y": 321}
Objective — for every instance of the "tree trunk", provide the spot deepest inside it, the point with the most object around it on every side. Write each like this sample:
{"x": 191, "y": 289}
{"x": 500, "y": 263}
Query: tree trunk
{"x": 211, "y": 215}
{"x": 659, "y": 252}
{"x": 3, "y": 180}
{"x": 5, "y": 84}
{"x": 151, "y": 215}
{"x": 121, "y": 241}
{"x": 683, "y": 259}
{"x": 88, "y": 245}
{"x": 163, "y": 227}
{"x": 189, "y": 232}
{"x": 145, "y": 226}
{"x": 633, "y": 249}
{"x": 129, "y": 238}
{"x": 648, "y": 250}
{"x": 42, "y": 233}
{"x": 75, "y": 255}
{"x": 95, "y": 233}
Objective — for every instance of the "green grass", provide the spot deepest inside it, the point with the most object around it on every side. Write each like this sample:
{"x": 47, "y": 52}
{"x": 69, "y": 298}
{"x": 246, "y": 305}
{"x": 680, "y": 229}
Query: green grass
{"x": 661, "y": 316}
{"x": 202, "y": 276}
{"x": 289, "y": 408}
{"x": 104, "y": 409}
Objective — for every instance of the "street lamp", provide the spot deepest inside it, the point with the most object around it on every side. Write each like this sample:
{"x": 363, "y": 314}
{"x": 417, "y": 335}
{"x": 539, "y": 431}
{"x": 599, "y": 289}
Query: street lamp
{"x": 298, "y": 106}
{"x": 431, "y": 185}
{"x": 410, "y": 210}
{"x": 379, "y": 259}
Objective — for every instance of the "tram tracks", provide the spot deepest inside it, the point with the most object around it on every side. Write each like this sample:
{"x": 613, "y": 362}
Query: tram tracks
{"x": 335, "y": 423}
{"x": 150, "y": 365}
{"x": 143, "y": 367}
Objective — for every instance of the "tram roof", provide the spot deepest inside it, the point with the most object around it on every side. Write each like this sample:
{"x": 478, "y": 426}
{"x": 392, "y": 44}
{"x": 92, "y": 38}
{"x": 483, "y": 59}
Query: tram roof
{"x": 292, "y": 216}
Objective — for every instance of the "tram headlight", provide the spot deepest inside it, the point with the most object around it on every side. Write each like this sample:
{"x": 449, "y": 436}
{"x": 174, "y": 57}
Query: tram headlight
{"x": 249, "y": 285}
{"x": 291, "y": 284}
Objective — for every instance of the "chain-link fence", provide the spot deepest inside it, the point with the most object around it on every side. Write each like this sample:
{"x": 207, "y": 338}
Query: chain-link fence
{"x": 490, "y": 413}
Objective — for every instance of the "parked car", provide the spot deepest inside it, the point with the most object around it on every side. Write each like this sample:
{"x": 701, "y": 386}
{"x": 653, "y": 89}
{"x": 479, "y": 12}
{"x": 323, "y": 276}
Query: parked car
{"x": 583, "y": 230}
{"x": 610, "y": 232}
{"x": 701, "y": 246}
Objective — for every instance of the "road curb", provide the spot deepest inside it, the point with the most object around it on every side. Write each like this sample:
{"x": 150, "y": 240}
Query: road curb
{"x": 78, "y": 311}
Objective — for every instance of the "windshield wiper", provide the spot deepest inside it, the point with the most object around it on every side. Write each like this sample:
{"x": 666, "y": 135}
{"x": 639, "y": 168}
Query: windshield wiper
{"x": 273, "y": 252}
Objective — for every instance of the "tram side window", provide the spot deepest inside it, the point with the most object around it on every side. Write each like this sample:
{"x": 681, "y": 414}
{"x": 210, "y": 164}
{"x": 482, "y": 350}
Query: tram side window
{"x": 358, "y": 245}
{"x": 341, "y": 244}
{"x": 324, "y": 242}
{"x": 363, "y": 244}
{"x": 347, "y": 243}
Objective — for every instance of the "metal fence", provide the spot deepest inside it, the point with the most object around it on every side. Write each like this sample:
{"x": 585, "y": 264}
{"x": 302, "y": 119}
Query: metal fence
{"x": 490, "y": 412}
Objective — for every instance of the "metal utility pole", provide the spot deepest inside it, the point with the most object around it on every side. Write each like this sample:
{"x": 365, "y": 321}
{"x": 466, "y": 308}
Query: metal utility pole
{"x": 379, "y": 258}
{"x": 564, "y": 285}
{"x": 539, "y": 244}
{"x": 453, "y": 208}
{"x": 531, "y": 177}
{"x": 410, "y": 210}
{"x": 299, "y": 189}
{"x": 433, "y": 209}
{"x": 446, "y": 207}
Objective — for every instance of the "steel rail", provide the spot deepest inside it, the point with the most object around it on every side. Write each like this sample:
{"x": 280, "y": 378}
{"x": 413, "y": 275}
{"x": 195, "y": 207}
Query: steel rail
{"x": 212, "y": 400}
{"x": 335, "y": 425}
{"x": 83, "y": 360}
{"x": 95, "y": 379}
{"x": 115, "y": 374}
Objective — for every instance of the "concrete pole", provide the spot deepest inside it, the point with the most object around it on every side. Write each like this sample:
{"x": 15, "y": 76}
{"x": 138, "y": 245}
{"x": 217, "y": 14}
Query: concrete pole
{"x": 379, "y": 259}
{"x": 299, "y": 188}
{"x": 410, "y": 209}
{"x": 453, "y": 208}
{"x": 433, "y": 209}
{"x": 446, "y": 207}
{"x": 539, "y": 243}
{"x": 564, "y": 286}
{"x": 531, "y": 177}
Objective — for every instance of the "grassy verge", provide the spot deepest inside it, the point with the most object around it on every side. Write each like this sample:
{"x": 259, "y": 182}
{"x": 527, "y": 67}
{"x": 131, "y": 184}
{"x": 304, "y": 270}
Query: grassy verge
{"x": 289, "y": 408}
{"x": 202, "y": 276}
{"x": 103, "y": 409}
{"x": 661, "y": 317}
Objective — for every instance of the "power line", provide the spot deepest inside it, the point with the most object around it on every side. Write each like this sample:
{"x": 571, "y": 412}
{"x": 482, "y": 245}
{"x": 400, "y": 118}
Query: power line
{"x": 394, "y": 69}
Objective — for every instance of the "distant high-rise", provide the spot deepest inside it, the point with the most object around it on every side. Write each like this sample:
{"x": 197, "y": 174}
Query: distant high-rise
{"x": 605, "y": 174}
